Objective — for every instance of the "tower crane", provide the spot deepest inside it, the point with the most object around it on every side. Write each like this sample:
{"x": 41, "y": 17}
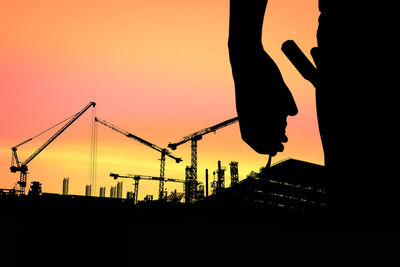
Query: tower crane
{"x": 194, "y": 137}
{"x": 164, "y": 152}
{"x": 145, "y": 177}
{"x": 22, "y": 167}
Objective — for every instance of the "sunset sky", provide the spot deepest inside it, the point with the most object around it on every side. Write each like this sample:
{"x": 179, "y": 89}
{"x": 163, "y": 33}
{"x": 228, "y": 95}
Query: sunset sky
{"x": 158, "y": 69}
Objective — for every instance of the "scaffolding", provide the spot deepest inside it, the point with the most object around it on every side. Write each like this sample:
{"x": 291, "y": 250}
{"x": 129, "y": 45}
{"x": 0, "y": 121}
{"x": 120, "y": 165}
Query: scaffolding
{"x": 234, "y": 173}
{"x": 220, "y": 177}
{"x": 190, "y": 185}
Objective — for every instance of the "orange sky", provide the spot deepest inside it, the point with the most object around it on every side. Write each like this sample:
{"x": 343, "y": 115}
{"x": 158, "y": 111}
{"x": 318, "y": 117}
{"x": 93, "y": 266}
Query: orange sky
{"x": 159, "y": 69}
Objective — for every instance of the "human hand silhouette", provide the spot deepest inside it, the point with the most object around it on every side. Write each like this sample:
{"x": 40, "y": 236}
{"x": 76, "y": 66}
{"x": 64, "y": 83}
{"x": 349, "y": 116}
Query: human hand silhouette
{"x": 263, "y": 101}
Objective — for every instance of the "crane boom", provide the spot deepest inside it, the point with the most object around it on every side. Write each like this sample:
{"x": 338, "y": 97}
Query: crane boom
{"x": 74, "y": 118}
{"x": 198, "y": 135}
{"x": 141, "y": 140}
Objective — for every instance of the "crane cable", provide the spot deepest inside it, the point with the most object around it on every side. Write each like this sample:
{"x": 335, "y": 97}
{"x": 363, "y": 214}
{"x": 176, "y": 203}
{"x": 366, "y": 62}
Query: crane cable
{"x": 53, "y": 126}
{"x": 37, "y": 135}
{"x": 93, "y": 152}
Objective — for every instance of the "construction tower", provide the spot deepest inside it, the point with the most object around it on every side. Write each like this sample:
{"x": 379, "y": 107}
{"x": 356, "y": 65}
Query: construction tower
{"x": 197, "y": 136}
{"x": 220, "y": 177}
{"x": 234, "y": 172}
{"x": 190, "y": 185}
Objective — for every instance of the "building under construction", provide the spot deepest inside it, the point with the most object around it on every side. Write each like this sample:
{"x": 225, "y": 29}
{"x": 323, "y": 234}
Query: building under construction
{"x": 291, "y": 185}
{"x": 295, "y": 184}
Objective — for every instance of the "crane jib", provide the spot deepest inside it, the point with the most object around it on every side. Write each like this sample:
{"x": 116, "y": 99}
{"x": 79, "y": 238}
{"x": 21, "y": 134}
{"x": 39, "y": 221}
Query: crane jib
{"x": 60, "y": 131}
{"x": 146, "y": 177}
{"x": 198, "y": 135}
{"x": 134, "y": 137}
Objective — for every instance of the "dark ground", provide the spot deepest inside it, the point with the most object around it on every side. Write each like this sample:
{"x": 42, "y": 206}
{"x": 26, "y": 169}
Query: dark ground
{"x": 58, "y": 231}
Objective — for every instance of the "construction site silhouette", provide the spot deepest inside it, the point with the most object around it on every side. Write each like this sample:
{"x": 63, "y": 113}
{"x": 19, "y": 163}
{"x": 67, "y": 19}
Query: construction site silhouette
{"x": 292, "y": 207}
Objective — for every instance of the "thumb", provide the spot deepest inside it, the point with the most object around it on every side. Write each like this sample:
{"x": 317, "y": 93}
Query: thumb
{"x": 316, "y": 56}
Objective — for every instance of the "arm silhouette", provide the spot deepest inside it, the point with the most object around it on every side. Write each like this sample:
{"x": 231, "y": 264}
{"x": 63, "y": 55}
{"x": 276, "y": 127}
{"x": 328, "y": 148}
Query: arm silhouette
{"x": 263, "y": 101}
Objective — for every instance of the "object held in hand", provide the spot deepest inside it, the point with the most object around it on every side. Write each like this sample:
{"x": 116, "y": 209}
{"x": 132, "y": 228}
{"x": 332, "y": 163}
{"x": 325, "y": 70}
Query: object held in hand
{"x": 300, "y": 61}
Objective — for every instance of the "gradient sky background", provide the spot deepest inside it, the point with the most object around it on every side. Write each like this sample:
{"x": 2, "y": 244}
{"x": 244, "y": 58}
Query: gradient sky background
{"x": 158, "y": 69}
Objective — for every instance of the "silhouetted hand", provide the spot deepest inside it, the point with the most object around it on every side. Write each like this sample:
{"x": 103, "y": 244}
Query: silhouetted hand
{"x": 263, "y": 101}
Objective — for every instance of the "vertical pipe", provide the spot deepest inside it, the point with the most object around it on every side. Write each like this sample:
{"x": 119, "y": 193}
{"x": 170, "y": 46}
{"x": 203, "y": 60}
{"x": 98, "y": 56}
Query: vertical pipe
{"x": 88, "y": 190}
{"x": 206, "y": 182}
{"x": 219, "y": 177}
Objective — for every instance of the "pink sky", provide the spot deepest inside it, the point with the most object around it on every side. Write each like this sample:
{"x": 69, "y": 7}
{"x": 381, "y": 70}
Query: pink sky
{"x": 158, "y": 69}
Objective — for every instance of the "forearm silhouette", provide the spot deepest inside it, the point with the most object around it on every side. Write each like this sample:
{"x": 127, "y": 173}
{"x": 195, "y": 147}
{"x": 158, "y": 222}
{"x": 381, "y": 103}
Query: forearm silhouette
{"x": 263, "y": 101}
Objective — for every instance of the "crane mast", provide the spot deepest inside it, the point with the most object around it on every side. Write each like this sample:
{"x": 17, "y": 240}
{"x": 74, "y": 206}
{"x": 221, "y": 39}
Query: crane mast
{"x": 164, "y": 152}
{"x": 22, "y": 167}
{"x": 194, "y": 137}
